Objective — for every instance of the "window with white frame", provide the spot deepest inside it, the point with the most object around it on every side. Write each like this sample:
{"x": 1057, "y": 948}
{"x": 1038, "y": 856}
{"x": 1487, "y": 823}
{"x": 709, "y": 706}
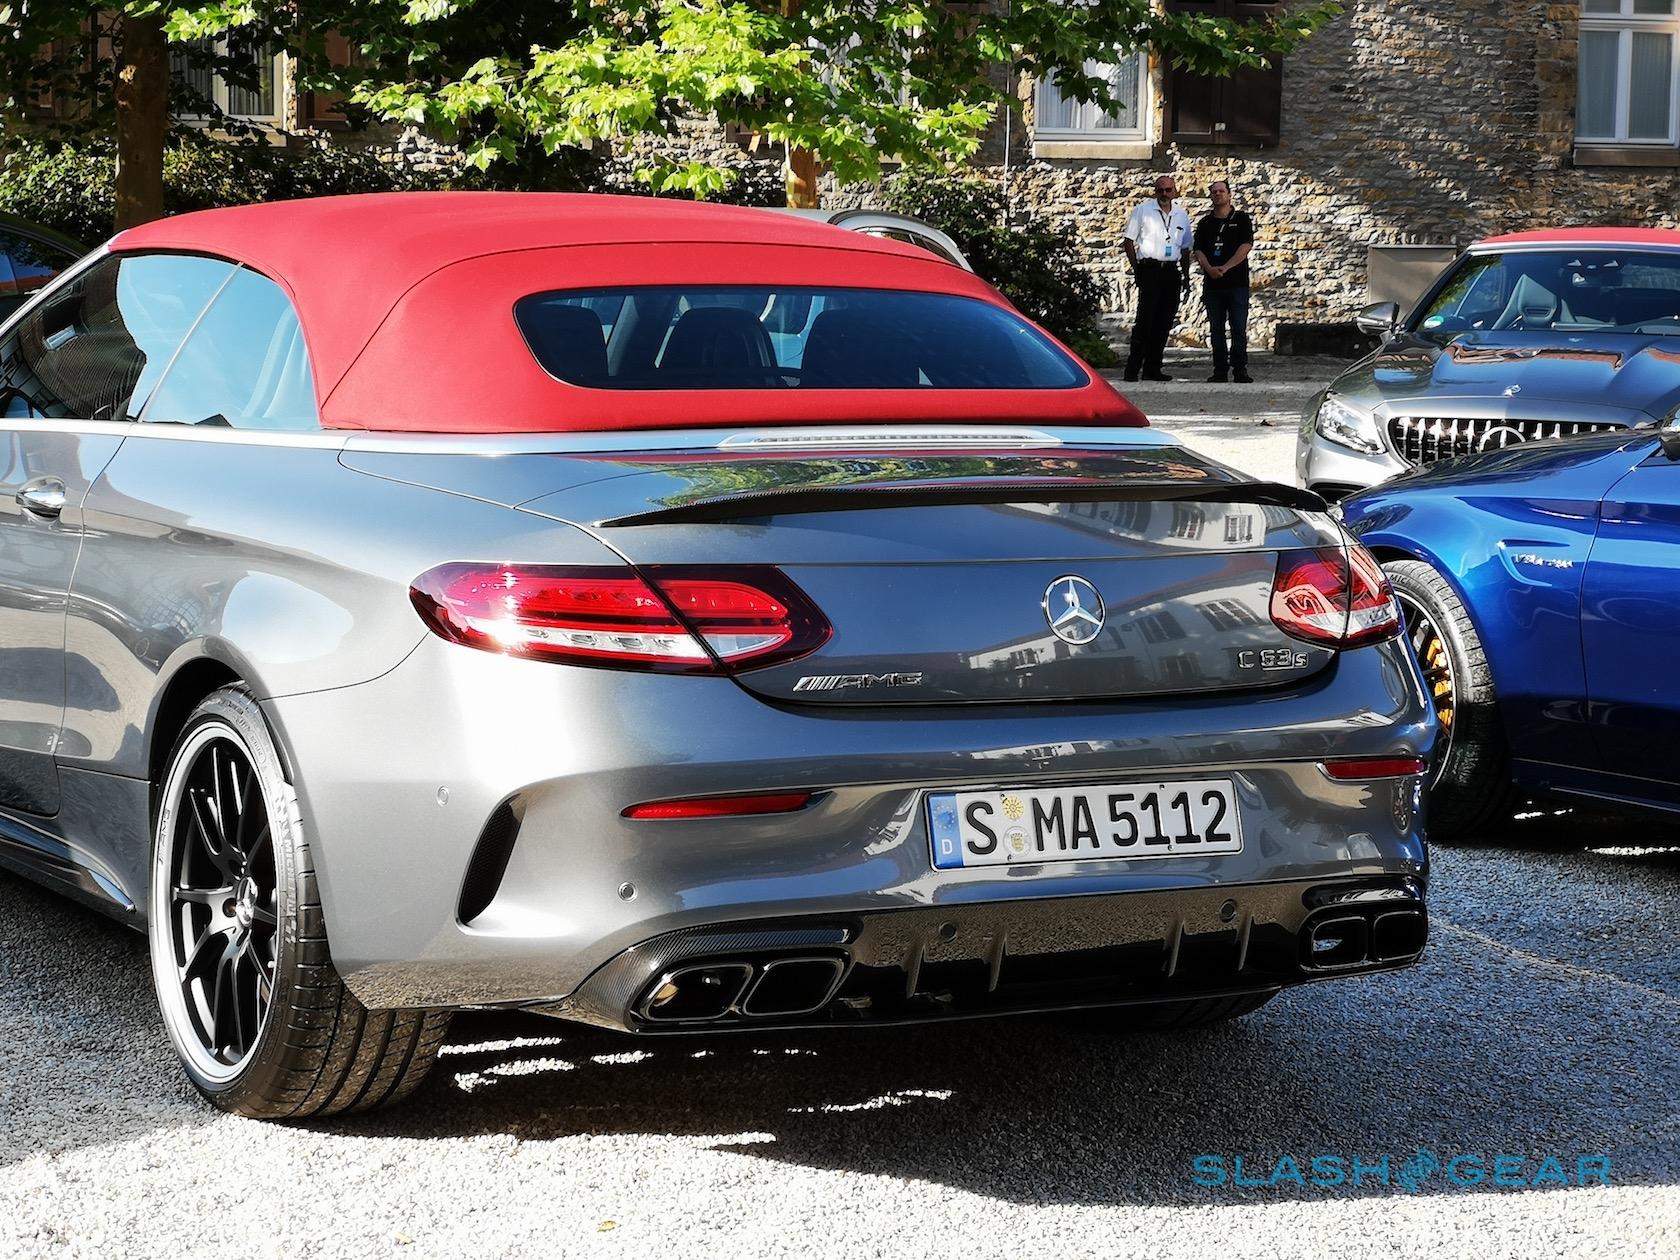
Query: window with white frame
{"x": 259, "y": 105}
{"x": 1626, "y": 72}
{"x": 1057, "y": 117}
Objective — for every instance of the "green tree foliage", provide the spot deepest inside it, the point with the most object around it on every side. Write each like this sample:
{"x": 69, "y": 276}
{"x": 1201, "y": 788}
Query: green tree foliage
{"x": 849, "y": 82}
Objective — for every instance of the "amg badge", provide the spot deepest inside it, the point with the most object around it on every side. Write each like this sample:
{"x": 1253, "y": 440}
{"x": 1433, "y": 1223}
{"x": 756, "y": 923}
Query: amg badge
{"x": 835, "y": 682}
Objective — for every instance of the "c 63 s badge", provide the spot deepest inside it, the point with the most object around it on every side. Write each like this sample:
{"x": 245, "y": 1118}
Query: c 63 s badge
{"x": 1272, "y": 658}
{"x": 838, "y": 682}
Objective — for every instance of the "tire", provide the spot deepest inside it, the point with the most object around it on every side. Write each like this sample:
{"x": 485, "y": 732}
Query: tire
{"x": 1175, "y": 1016}
{"x": 1470, "y": 788}
{"x": 234, "y": 913}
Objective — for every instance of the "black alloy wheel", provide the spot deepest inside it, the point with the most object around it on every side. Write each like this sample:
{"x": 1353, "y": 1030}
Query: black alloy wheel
{"x": 222, "y": 901}
{"x": 250, "y": 998}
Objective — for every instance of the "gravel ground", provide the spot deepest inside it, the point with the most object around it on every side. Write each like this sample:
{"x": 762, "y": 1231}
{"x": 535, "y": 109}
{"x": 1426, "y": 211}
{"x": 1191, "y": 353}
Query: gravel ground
{"x": 1541, "y": 1023}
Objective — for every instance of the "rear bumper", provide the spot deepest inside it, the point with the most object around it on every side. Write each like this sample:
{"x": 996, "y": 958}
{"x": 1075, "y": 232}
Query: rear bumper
{"x": 944, "y": 962}
{"x": 402, "y": 782}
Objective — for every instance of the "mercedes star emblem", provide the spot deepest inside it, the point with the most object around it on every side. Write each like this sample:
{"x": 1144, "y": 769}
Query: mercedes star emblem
{"x": 1499, "y": 437}
{"x": 1074, "y": 609}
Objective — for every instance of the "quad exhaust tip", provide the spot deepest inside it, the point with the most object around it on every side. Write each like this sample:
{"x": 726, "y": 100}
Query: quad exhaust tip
{"x": 1363, "y": 937}
{"x": 777, "y": 988}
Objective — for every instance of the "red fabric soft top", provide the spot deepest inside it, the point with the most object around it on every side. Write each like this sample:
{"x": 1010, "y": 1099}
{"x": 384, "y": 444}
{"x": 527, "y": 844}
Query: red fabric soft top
{"x": 406, "y": 302}
{"x": 1589, "y": 236}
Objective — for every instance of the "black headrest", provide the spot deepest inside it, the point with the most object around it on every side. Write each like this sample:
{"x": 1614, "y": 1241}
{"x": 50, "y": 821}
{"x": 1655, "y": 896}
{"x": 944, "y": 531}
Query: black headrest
{"x": 570, "y": 343}
{"x": 850, "y": 348}
{"x": 719, "y": 346}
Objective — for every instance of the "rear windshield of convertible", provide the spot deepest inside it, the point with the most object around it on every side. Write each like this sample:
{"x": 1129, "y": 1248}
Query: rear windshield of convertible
{"x": 715, "y": 337}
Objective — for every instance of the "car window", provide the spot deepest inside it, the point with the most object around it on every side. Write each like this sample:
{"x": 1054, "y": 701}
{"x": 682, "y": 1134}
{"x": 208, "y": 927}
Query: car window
{"x": 244, "y": 366}
{"x": 26, "y": 265}
{"x": 95, "y": 348}
{"x": 1561, "y": 290}
{"x": 757, "y": 337}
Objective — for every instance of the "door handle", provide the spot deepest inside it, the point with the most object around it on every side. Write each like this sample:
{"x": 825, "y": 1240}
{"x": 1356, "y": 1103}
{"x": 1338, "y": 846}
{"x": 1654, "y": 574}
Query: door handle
{"x": 43, "y": 498}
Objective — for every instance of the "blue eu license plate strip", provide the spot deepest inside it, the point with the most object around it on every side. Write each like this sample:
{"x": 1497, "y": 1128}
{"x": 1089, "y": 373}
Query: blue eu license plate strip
{"x": 1117, "y": 822}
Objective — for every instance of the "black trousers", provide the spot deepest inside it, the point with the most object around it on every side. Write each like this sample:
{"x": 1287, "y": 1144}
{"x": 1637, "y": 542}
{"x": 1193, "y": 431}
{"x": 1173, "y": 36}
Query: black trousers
{"x": 1157, "y": 308}
{"x": 1228, "y": 306}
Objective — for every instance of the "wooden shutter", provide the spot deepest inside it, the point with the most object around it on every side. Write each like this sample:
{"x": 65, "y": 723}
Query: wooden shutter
{"x": 1244, "y": 109}
{"x": 317, "y": 108}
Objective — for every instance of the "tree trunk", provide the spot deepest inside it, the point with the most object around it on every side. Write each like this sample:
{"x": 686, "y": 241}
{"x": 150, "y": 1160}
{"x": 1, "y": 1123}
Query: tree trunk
{"x": 802, "y": 179}
{"x": 801, "y": 174}
{"x": 142, "y": 119}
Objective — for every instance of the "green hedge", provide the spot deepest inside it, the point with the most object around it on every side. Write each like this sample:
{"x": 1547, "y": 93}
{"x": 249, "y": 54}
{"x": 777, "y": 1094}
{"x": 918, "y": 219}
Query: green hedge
{"x": 71, "y": 185}
{"x": 1036, "y": 264}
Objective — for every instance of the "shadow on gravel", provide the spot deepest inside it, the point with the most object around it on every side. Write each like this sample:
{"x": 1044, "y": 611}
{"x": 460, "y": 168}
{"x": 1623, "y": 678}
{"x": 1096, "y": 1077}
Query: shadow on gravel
{"x": 84, "y": 1060}
{"x": 1524, "y": 1033}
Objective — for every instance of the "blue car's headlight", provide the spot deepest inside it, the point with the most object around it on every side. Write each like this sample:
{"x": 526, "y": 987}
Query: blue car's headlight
{"x": 1348, "y": 426}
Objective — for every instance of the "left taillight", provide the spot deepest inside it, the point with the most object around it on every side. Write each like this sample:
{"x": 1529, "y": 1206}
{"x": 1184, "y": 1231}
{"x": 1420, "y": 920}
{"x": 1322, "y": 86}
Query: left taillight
{"x": 665, "y": 618}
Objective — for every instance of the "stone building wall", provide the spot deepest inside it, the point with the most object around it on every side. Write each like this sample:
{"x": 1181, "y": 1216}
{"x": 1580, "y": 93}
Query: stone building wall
{"x": 1404, "y": 122}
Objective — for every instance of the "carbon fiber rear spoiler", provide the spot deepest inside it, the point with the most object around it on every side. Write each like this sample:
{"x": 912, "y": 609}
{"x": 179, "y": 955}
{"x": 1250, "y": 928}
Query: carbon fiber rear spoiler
{"x": 784, "y": 500}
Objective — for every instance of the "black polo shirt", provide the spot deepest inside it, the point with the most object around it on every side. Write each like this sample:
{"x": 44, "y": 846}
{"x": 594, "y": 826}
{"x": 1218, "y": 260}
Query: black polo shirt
{"x": 1217, "y": 239}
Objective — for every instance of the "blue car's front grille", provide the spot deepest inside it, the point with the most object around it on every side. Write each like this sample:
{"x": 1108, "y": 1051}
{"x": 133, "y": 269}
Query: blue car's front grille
{"x": 1425, "y": 439}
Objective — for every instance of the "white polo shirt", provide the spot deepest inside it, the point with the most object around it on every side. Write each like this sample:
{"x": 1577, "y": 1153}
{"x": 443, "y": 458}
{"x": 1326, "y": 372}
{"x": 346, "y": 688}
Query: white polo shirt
{"x": 1161, "y": 237}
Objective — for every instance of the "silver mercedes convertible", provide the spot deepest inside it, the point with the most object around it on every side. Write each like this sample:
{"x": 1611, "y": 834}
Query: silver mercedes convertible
{"x": 668, "y": 617}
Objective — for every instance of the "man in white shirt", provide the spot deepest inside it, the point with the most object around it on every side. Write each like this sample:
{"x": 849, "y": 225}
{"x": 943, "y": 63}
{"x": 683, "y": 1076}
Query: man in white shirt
{"x": 1158, "y": 246}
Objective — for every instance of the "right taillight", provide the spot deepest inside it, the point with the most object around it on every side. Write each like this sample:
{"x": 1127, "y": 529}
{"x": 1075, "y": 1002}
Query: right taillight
{"x": 672, "y": 619}
{"x": 1334, "y": 598}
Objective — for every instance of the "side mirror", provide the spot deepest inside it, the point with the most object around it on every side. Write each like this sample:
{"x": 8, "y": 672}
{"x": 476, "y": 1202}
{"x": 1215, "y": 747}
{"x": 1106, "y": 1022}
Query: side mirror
{"x": 1669, "y": 435}
{"x": 1378, "y": 319}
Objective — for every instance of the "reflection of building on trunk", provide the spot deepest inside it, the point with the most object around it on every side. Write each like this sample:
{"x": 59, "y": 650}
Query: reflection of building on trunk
{"x": 1175, "y": 524}
{"x": 1147, "y": 649}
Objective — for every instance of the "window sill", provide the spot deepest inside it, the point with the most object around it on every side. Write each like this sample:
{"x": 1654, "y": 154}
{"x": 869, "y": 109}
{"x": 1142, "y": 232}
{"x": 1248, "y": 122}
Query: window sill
{"x": 1100, "y": 150}
{"x": 1627, "y": 155}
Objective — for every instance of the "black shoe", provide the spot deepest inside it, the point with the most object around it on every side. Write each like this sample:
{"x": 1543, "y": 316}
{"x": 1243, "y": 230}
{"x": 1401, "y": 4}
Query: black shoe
{"x": 1242, "y": 378}
{"x": 1218, "y": 378}
{"x": 1156, "y": 376}
{"x": 1130, "y": 376}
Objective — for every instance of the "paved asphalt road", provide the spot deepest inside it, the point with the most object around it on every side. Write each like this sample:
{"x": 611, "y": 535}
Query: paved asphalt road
{"x": 1542, "y": 1023}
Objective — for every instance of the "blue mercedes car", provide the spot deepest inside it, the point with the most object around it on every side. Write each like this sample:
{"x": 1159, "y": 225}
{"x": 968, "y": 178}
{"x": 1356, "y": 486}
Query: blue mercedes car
{"x": 1540, "y": 593}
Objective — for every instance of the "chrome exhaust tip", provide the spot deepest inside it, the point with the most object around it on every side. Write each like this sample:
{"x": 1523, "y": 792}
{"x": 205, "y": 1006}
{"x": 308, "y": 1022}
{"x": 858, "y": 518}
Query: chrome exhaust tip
{"x": 794, "y": 986}
{"x": 1342, "y": 940}
{"x": 1398, "y": 934}
{"x": 709, "y": 991}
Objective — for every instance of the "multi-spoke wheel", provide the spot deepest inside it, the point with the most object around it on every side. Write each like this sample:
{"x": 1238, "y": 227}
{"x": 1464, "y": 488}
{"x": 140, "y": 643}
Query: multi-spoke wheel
{"x": 221, "y": 890}
{"x": 1470, "y": 787}
{"x": 1436, "y": 661}
{"x": 249, "y": 995}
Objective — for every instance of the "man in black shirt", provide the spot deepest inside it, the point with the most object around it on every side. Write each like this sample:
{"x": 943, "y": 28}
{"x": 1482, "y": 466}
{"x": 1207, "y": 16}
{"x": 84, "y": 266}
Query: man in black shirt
{"x": 1223, "y": 240}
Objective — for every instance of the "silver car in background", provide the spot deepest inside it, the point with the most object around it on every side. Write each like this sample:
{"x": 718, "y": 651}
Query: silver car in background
{"x": 666, "y": 617}
{"x": 1526, "y": 337}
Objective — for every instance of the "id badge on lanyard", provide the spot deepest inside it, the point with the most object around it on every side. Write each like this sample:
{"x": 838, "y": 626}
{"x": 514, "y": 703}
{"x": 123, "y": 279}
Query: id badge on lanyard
{"x": 1170, "y": 249}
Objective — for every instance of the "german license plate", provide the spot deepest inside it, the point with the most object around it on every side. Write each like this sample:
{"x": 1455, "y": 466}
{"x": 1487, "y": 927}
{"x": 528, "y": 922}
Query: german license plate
{"x": 1125, "y": 821}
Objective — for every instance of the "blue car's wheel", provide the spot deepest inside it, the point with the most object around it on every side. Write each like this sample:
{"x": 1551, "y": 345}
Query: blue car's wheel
{"x": 1471, "y": 784}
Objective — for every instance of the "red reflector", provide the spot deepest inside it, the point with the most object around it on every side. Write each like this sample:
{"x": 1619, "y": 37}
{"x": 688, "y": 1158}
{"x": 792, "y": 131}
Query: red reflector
{"x": 1334, "y": 598}
{"x": 1373, "y": 767}
{"x": 722, "y": 806}
{"x": 683, "y": 620}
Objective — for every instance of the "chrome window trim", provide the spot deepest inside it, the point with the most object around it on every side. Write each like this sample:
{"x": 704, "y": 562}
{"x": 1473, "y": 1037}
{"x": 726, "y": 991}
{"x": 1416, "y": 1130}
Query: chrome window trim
{"x": 1530, "y": 247}
{"x": 730, "y": 440}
